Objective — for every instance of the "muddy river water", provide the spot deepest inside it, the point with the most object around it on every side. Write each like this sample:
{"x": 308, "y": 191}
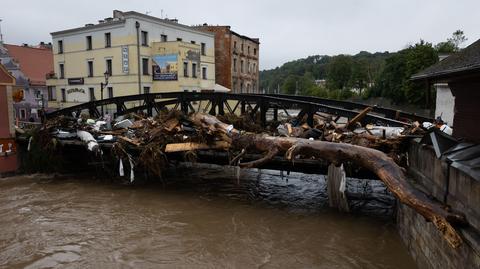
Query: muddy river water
{"x": 195, "y": 218}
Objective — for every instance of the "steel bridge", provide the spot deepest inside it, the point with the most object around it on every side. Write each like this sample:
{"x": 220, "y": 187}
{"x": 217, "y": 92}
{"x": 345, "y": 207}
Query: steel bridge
{"x": 221, "y": 103}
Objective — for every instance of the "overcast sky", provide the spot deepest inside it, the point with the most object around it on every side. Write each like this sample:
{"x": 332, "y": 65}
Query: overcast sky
{"x": 287, "y": 29}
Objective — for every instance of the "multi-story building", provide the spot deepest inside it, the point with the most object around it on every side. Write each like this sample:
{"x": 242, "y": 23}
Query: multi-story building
{"x": 29, "y": 65}
{"x": 236, "y": 59}
{"x": 138, "y": 53}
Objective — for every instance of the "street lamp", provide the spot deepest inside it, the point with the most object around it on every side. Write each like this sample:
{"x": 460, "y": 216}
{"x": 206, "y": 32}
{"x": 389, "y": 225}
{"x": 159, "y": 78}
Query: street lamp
{"x": 103, "y": 85}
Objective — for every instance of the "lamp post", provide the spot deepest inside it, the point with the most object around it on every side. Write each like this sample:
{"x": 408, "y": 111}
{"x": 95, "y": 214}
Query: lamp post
{"x": 102, "y": 86}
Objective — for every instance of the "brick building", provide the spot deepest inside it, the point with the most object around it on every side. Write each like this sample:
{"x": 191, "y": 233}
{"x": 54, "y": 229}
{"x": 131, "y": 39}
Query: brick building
{"x": 236, "y": 59}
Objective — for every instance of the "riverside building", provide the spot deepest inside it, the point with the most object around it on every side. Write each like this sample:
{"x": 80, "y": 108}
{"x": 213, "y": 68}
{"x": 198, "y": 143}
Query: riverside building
{"x": 136, "y": 53}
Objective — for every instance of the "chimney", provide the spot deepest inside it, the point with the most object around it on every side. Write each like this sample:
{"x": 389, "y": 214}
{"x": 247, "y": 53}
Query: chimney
{"x": 89, "y": 24}
{"x": 101, "y": 21}
{"x": 109, "y": 19}
{"x": 117, "y": 14}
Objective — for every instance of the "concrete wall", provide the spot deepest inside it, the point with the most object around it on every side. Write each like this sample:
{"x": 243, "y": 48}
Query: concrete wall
{"x": 451, "y": 186}
{"x": 445, "y": 103}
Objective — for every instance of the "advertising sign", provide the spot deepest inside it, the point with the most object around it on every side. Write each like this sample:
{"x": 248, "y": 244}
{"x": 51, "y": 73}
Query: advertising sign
{"x": 125, "y": 68}
{"x": 166, "y": 67}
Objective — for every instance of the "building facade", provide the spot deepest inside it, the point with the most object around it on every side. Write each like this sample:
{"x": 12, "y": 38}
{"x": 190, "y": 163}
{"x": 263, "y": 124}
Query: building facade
{"x": 8, "y": 162}
{"x": 236, "y": 59}
{"x": 139, "y": 54}
{"x": 29, "y": 65}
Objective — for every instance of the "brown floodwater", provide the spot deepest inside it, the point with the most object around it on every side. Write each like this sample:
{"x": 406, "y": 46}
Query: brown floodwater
{"x": 195, "y": 218}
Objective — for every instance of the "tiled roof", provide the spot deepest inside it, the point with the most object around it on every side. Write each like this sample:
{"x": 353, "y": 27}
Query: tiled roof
{"x": 466, "y": 60}
{"x": 35, "y": 63}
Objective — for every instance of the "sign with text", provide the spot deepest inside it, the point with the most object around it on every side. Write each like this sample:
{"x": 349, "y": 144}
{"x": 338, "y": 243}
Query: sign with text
{"x": 75, "y": 81}
{"x": 74, "y": 90}
{"x": 166, "y": 67}
{"x": 125, "y": 68}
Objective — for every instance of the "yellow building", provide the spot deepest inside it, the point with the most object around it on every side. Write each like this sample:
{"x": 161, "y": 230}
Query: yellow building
{"x": 140, "y": 53}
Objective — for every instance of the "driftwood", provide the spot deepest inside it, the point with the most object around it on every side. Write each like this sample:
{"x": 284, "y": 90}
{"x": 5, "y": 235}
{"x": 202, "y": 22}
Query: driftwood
{"x": 376, "y": 161}
{"x": 178, "y": 147}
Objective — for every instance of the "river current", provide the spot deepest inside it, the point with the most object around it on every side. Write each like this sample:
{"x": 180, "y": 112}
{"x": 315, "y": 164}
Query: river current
{"x": 194, "y": 218}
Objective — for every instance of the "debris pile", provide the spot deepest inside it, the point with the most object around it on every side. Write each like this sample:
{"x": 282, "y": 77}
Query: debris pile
{"x": 137, "y": 141}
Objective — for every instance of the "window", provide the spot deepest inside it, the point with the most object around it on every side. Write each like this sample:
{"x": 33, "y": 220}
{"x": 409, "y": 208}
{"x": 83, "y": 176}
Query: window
{"x": 23, "y": 113}
{"x": 52, "y": 95}
{"x": 64, "y": 96}
{"x": 254, "y": 51}
{"x": 193, "y": 42}
{"x": 146, "y": 90}
{"x": 241, "y": 66}
{"x": 248, "y": 66}
{"x": 91, "y": 94}
{"x": 144, "y": 38}
{"x": 110, "y": 92}
{"x": 235, "y": 44}
{"x": 90, "y": 68}
{"x": 89, "y": 42}
{"x": 163, "y": 38}
{"x": 204, "y": 73}
{"x": 145, "y": 66}
{"x": 108, "y": 40}
{"x": 179, "y": 39}
{"x": 194, "y": 70}
{"x": 60, "y": 46}
{"x": 185, "y": 69}
{"x": 241, "y": 87}
{"x": 254, "y": 67}
{"x": 234, "y": 65}
{"x": 109, "y": 66}
{"x": 204, "y": 48}
{"x": 242, "y": 47}
{"x": 62, "y": 71}
{"x": 248, "y": 50}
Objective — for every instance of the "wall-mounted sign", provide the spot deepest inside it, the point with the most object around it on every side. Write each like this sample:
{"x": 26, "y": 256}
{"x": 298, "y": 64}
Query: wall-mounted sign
{"x": 74, "y": 90}
{"x": 166, "y": 67}
{"x": 193, "y": 55}
{"x": 125, "y": 68}
{"x": 75, "y": 81}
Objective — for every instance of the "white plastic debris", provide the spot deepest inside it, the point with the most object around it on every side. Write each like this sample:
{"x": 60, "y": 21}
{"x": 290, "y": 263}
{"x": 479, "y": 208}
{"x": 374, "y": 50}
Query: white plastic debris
{"x": 132, "y": 174}
{"x": 123, "y": 124}
{"x": 380, "y": 131}
{"x": 29, "y": 143}
{"x": 446, "y": 129}
{"x": 229, "y": 128}
{"x": 88, "y": 139}
{"x": 99, "y": 124}
{"x": 120, "y": 168}
{"x": 91, "y": 121}
{"x": 108, "y": 137}
{"x": 282, "y": 130}
{"x": 427, "y": 125}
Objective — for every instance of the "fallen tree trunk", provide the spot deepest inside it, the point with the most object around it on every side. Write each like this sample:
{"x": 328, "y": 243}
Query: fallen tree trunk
{"x": 376, "y": 161}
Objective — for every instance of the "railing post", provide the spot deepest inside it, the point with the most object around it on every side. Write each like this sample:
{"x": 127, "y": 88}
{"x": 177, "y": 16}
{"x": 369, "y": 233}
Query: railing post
{"x": 263, "y": 112}
{"x": 275, "y": 114}
{"x": 220, "y": 103}
{"x": 310, "y": 116}
{"x": 242, "y": 108}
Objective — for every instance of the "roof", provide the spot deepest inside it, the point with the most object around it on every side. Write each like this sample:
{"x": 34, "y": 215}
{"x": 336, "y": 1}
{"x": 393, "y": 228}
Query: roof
{"x": 206, "y": 27}
{"x": 465, "y": 61}
{"x": 35, "y": 63}
{"x": 119, "y": 18}
{"x": 5, "y": 76}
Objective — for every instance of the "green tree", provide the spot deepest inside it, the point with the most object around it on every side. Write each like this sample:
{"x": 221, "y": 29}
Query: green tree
{"x": 339, "y": 70}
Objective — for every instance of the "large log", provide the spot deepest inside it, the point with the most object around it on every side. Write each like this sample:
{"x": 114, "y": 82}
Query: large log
{"x": 376, "y": 161}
